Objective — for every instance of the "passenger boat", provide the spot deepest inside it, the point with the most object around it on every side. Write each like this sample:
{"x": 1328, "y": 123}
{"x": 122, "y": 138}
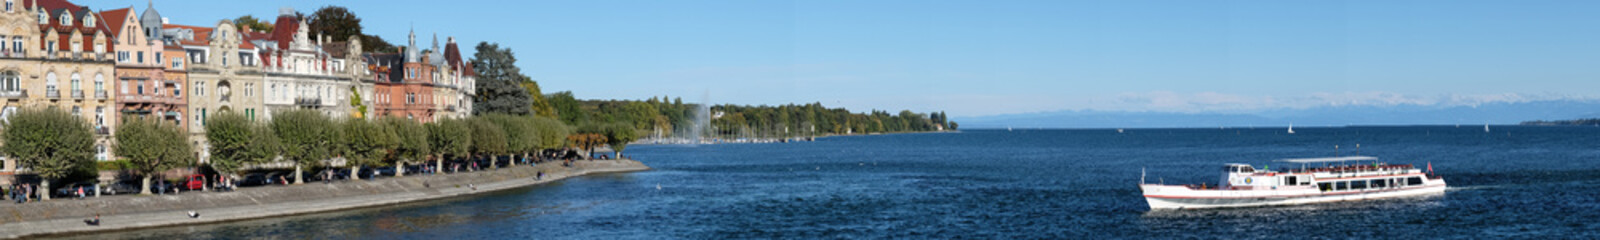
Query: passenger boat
{"x": 1337, "y": 179}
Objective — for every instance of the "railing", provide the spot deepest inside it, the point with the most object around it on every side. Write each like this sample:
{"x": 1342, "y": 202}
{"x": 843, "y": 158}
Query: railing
{"x": 23, "y": 93}
{"x": 100, "y": 94}
{"x": 77, "y": 94}
{"x": 102, "y": 130}
{"x": 52, "y": 93}
{"x": 308, "y": 101}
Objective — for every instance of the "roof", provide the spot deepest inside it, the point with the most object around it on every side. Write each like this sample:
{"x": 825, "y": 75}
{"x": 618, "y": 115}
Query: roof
{"x": 115, "y": 18}
{"x": 1328, "y": 159}
{"x": 336, "y": 49}
{"x": 202, "y": 35}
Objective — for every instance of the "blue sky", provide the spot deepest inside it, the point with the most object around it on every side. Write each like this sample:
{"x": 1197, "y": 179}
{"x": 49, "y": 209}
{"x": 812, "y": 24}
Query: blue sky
{"x": 974, "y": 58}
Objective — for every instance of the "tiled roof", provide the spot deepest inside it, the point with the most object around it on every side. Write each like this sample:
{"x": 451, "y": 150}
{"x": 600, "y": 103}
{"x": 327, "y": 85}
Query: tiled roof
{"x": 202, "y": 35}
{"x": 114, "y": 20}
{"x": 336, "y": 49}
{"x": 283, "y": 31}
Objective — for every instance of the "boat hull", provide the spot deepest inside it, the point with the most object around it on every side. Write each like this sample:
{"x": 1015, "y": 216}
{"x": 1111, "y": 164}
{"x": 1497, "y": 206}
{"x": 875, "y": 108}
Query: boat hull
{"x": 1180, "y": 197}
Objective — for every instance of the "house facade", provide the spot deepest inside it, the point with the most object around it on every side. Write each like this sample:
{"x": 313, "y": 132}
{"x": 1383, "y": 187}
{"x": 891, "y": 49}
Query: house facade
{"x": 57, "y": 54}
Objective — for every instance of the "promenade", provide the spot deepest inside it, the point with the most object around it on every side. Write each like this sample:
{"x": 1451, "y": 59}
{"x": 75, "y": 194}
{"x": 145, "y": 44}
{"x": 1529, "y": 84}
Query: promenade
{"x": 66, "y": 215}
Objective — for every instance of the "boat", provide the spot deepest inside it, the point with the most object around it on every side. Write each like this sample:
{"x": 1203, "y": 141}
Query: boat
{"x": 1349, "y": 178}
{"x": 1485, "y": 127}
{"x": 1291, "y": 128}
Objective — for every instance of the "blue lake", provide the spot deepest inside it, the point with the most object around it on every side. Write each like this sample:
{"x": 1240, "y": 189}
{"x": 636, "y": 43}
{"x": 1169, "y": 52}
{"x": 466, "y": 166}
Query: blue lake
{"x": 1512, "y": 182}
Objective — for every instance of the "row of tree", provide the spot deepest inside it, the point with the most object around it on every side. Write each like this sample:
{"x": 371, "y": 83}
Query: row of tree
{"x": 55, "y": 144}
{"x": 660, "y": 117}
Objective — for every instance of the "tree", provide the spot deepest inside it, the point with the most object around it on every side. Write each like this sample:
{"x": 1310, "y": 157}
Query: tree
{"x": 586, "y": 141}
{"x": 487, "y": 138}
{"x": 50, "y": 141}
{"x": 368, "y": 143}
{"x": 412, "y": 142}
{"x": 519, "y": 134}
{"x": 551, "y": 132}
{"x": 241, "y": 22}
{"x": 449, "y": 136}
{"x": 498, "y": 90}
{"x": 230, "y": 136}
{"x": 567, "y": 108}
{"x": 540, "y": 105}
{"x": 152, "y": 147}
{"x": 334, "y": 21}
{"x": 618, "y": 135}
{"x": 308, "y": 138}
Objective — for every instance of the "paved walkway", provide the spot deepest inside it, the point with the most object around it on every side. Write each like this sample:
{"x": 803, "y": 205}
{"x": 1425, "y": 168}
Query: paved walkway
{"x": 63, "y": 216}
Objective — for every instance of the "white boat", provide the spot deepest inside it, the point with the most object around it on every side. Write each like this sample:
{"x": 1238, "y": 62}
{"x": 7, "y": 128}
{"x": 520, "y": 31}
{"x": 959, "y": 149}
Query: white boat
{"x": 1291, "y": 128}
{"x": 1244, "y": 186}
{"x": 1485, "y": 127}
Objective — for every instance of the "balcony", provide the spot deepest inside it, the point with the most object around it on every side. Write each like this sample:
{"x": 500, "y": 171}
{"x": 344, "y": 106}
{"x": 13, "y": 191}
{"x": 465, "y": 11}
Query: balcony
{"x": 100, "y": 94}
{"x": 450, "y": 108}
{"x": 14, "y": 94}
{"x": 308, "y": 102}
{"x": 77, "y": 94}
{"x": 52, "y": 93}
{"x": 102, "y": 130}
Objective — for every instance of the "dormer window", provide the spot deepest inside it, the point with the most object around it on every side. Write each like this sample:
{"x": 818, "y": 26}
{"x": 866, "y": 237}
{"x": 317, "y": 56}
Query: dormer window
{"x": 44, "y": 18}
{"x": 88, "y": 20}
{"x": 66, "y": 18}
{"x": 10, "y": 3}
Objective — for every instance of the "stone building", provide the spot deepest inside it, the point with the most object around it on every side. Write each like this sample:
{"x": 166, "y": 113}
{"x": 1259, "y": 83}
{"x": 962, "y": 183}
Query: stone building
{"x": 224, "y": 73}
{"x": 302, "y": 74}
{"x": 57, "y": 54}
{"x": 424, "y": 85}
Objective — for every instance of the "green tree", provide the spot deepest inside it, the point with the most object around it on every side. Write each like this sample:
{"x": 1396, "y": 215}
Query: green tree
{"x": 264, "y": 144}
{"x": 369, "y": 144}
{"x": 50, "y": 141}
{"x": 450, "y": 138}
{"x": 487, "y": 138}
{"x": 618, "y": 136}
{"x": 519, "y": 134}
{"x": 253, "y": 23}
{"x": 551, "y": 132}
{"x": 567, "y": 108}
{"x": 308, "y": 138}
{"x": 334, "y": 21}
{"x": 413, "y": 145}
{"x": 498, "y": 89}
{"x": 151, "y": 147}
{"x": 230, "y": 136}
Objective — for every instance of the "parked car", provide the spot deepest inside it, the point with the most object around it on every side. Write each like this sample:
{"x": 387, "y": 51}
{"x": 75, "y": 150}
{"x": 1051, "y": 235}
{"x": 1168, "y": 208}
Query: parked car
{"x": 71, "y": 190}
{"x": 122, "y": 187}
{"x": 254, "y": 179}
{"x": 195, "y": 182}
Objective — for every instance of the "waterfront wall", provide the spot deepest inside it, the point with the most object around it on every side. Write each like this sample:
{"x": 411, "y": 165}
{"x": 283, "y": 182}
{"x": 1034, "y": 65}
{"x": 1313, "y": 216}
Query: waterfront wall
{"x": 64, "y": 216}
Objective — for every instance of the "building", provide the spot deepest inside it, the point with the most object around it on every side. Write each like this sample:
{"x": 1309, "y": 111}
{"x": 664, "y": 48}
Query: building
{"x": 57, "y": 54}
{"x": 302, "y": 74}
{"x": 151, "y": 87}
{"x": 424, "y": 85}
{"x": 222, "y": 70}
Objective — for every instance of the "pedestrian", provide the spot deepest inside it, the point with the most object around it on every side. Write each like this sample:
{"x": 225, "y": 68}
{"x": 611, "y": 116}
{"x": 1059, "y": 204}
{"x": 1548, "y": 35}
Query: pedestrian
{"x": 80, "y": 192}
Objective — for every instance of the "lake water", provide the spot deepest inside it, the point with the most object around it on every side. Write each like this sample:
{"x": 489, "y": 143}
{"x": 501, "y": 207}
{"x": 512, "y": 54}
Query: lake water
{"x": 1513, "y": 182}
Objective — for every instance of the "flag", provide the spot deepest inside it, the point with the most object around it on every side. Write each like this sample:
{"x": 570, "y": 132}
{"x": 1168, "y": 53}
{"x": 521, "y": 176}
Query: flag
{"x": 1430, "y": 167}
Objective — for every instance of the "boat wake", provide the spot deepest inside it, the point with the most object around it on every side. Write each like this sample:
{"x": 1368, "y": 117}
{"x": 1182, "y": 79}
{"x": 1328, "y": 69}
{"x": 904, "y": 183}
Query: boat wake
{"x": 1471, "y": 188}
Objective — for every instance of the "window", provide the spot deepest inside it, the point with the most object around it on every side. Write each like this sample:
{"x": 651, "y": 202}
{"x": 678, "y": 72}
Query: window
{"x": 1380, "y": 183}
{"x": 158, "y": 58}
{"x": 99, "y": 116}
{"x": 77, "y": 111}
{"x": 75, "y": 80}
{"x": 202, "y": 117}
{"x": 248, "y": 88}
{"x": 77, "y": 46}
{"x": 125, "y": 84}
{"x": 99, "y": 47}
{"x": 200, "y": 89}
{"x": 1341, "y": 186}
{"x": 16, "y": 45}
{"x": 10, "y": 3}
{"x": 50, "y": 47}
{"x": 140, "y": 88}
{"x": 88, "y": 20}
{"x": 10, "y": 82}
{"x": 66, "y": 18}
{"x": 177, "y": 90}
{"x": 50, "y": 82}
{"x": 3, "y": 44}
{"x": 177, "y": 62}
{"x": 140, "y": 58}
{"x": 44, "y": 18}
{"x": 122, "y": 56}
{"x": 1413, "y": 181}
{"x": 1358, "y": 184}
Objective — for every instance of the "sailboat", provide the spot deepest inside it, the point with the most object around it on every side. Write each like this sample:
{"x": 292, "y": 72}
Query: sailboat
{"x": 1486, "y": 127}
{"x": 1291, "y": 128}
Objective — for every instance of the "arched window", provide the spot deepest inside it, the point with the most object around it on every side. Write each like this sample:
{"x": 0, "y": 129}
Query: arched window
{"x": 99, "y": 83}
{"x": 76, "y": 79}
{"x": 50, "y": 82}
{"x": 223, "y": 91}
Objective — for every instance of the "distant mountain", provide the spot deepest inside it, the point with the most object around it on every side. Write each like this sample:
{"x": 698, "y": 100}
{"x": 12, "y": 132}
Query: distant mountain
{"x": 1489, "y": 113}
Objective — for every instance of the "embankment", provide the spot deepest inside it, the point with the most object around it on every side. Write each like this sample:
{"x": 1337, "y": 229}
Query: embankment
{"x": 65, "y": 216}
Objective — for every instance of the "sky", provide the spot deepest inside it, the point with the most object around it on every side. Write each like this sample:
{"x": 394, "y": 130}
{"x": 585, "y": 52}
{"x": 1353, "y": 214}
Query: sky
{"x": 978, "y": 58}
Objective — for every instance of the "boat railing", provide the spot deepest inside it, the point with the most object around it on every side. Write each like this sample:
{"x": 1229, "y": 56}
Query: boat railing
{"x": 1354, "y": 168}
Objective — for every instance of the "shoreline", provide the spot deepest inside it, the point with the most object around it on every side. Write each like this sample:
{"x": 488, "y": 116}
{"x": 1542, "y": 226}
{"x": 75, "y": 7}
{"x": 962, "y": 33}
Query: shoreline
{"x": 66, "y": 216}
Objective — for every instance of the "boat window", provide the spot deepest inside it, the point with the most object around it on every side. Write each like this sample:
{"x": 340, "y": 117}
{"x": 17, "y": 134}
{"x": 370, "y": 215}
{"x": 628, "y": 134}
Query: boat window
{"x": 1324, "y": 186}
{"x": 1380, "y": 183}
{"x": 1341, "y": 186}
{"x": 1247, "y": 169}
{"x": 1358, "y": 184}
{"x": 1230, "y": 169}
{"x": 1414, "y": 181}
{"x": 1291, "y": 180}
